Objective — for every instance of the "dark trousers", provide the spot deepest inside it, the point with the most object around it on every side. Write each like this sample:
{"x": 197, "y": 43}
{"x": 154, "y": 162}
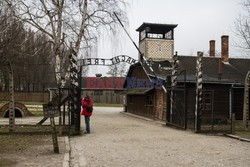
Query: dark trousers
{"x": 87, "y": 123}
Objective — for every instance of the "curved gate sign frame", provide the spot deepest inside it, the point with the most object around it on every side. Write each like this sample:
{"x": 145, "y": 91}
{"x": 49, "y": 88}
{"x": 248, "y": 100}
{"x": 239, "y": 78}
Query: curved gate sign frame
{"x": 107, "y": 62}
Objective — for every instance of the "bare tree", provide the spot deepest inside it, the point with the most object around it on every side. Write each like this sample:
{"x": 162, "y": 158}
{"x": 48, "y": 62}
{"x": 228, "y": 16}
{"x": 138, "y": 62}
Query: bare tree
{"x": 29, "y": 53}
{"x": 113, "y": 71}
{"x": 66, "y": 22}
{"x": 118, "y": 70}
{"x": 123, "y": 70}
{"x": 9, "y": 30}
{"x": 242, "y": 26}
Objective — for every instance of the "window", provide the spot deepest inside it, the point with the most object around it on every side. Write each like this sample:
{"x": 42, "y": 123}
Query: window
{"x": 168, "y": 35}
{"x": 149, "y": 100}
{"x": 143, "y": 35}
{"x": 151, "y": 35}
{"x": 207, "y": 100}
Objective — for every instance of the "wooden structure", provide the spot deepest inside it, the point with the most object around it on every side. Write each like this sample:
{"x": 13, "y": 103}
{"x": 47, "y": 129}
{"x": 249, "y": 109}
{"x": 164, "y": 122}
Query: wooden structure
{"x": 148, "y": 102}
{"x": 222, "y": 84}
{"x": 222, "y": 93}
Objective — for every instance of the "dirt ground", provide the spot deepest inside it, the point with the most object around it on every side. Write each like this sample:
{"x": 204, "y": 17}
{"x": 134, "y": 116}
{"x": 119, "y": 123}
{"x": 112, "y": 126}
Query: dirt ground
{"x": 119, "y": 140}
{"x": 29, "y": 150}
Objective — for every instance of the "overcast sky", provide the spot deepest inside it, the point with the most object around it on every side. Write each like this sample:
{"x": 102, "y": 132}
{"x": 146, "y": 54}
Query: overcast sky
{"x": 198, "y": 22}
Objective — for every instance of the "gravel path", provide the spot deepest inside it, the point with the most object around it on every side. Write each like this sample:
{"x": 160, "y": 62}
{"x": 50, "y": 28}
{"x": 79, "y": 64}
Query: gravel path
{"x": 119, "y": 140}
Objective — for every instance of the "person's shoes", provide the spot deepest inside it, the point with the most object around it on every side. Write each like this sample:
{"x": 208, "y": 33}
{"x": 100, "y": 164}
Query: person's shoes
{"x": 86, "y": 133}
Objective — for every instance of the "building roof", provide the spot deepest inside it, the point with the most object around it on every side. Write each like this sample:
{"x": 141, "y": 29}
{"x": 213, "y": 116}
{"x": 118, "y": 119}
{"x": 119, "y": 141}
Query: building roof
{"x": 233, "y": 72}
{"x": 161, "y": 69}
{"x": 157, "y": 28}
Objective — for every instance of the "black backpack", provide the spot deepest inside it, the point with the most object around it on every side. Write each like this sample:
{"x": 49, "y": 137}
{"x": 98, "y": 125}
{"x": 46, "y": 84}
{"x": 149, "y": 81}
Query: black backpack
{"x": 89, "y": 109}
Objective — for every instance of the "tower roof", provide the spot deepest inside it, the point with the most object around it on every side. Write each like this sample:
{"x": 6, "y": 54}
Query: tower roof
{"x": 156, "y": 27}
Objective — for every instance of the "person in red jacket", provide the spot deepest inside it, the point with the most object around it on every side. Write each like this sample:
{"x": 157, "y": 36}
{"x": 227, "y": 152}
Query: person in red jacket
{"x": 87, "y": 108}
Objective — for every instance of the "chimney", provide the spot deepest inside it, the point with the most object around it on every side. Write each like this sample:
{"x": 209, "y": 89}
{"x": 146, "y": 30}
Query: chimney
{"x": 212, "y": 48}
{"x": 224, "y": 48}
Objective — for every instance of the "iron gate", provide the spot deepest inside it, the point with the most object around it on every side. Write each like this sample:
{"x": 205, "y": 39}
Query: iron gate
{"x": 216, "y": 113}
{"x": 176, "y": 103}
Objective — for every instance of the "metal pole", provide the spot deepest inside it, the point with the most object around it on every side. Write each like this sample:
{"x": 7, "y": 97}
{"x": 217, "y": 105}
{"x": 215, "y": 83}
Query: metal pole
{"x": 198, "y": 91}
{"x": 212, "y": 110}
{"x": 12, "y": 102}
{"x": 233, "y": 123}
{"x": 230, "y": 102}
{"x": 173, "y": 86}
{"x": 74, "y": 87}
{"x": 64, "y": 114}
{"x": 127, "y": 34}
{"x": 168, "y": 100}
{"x": 185, "y": 99}
{"x": 142, "y": 59}
{"x": 69, "y": 111}
{"x": 59, "y": 108}
{"x": 78, "y": 107}
{"x": 246, "y": 102}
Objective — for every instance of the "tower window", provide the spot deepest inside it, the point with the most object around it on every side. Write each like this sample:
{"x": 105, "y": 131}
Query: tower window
{"x": 168, "y": 35}
{"x": 151, "y": 35}
{"x": 143, "y": 35}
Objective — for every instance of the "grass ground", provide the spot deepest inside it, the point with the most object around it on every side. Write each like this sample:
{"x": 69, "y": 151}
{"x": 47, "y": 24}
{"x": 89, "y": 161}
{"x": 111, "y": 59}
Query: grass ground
{"x": 41, "y": 103}
{"x": 26, "y": 128}
{"x": 243, "y": 134}
{"x": 37, "y": 111}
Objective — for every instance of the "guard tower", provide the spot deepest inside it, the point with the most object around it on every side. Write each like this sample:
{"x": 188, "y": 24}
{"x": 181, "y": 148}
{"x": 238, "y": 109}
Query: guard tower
{"x": 156, "y": 41}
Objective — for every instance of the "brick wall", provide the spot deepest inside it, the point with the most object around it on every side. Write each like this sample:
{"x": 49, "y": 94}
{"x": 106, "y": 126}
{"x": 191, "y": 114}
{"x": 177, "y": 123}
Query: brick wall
{"x": 26, "y": 96}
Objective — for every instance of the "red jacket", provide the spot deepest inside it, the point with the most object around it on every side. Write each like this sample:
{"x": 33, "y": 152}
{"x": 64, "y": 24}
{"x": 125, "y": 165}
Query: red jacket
{"x": 84, "y": 109}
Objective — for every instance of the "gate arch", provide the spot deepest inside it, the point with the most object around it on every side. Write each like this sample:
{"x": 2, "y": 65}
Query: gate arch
{"x": 75, "y": 80}
{"x": 108, "y": 62}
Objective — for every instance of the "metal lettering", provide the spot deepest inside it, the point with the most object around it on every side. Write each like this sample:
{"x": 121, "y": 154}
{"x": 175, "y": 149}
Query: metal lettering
{"x": 117, "y": 59}
{"x": 103, "y": 61}
{"x": 96, "y": 61}
{"x": 133, "y": 61}
{"x": 123, "y": 58}
{"x": 108, "y": 62}
{"x": 88, "y": 61}
{"x": 128, "y": 60}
